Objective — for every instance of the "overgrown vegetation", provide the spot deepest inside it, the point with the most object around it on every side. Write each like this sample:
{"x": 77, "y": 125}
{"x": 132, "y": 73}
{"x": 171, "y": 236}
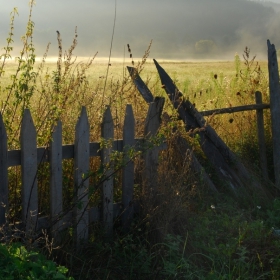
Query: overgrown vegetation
{"x": 192, "y": 233}
{"x": 18, "y": 263}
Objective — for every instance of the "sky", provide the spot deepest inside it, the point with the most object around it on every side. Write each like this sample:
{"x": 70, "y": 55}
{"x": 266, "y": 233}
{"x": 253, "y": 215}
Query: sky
{"x": 179, "y": 29}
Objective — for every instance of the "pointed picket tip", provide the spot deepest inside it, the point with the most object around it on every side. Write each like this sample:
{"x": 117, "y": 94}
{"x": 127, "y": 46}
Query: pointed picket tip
{"x": 83, "y": 112}
{"x": 141, "y": 86}
{"x": 28, "y": 130}
{"x": 83, "y": 117}
{"x": 27, "y": 119}
{"x": 132, "y": 70}
{"x": 107, "y": 113}
{"x": 129, "y": 112}
{"x": 167, "y": 83}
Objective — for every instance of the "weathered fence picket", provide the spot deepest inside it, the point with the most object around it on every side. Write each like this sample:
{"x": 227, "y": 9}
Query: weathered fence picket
{"x": 107, "y": 133}
{"x": 30, "y": 157}
{"x": 128, "y": 170}
{"x": 274, "y": 89}
{"x": 81, "y": 165}
{"x": 29, "y": 171}
{"x": 261, "y": 137}
{"x": 152, "y": 124}
{"x": 56, "y": 178}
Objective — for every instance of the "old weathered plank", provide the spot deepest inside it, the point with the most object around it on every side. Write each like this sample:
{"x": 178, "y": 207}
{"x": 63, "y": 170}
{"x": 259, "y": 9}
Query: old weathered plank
{"x": 235, "y": 109}
{"x": 274, "y": 90}
{"x": 107, "y": 133}
{"x": 128, "y": 170}
{"x": 29, "y": 171}
{"x": 3, "y": 172}
{"x": 142, "y": 88}
{"x": 56, "y": 177}
{"x": 152, "y": 124}
{"x": 181, "y": 142}
{"x": 228, "y": 167}
{"x": 261, "y": 137}
{"x": 81, "y": 165}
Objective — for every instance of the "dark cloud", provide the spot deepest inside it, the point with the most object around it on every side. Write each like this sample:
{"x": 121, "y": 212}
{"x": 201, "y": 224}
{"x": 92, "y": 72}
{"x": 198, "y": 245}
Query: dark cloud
{"x": 175, "y": 26}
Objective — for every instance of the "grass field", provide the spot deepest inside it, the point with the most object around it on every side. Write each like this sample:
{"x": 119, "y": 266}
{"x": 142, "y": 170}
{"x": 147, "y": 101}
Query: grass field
{"x": 192, "y": 233}
{"x": 205, "y": 236}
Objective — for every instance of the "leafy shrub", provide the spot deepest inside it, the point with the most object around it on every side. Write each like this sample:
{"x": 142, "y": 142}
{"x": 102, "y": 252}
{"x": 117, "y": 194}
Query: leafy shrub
{"x": 18, "y": 263}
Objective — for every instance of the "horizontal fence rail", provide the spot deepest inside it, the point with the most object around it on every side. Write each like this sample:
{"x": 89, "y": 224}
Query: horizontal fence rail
{"x": 236, "y": 109}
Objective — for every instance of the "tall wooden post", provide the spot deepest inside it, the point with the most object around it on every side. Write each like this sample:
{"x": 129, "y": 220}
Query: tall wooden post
{"x": 274, "y": 89}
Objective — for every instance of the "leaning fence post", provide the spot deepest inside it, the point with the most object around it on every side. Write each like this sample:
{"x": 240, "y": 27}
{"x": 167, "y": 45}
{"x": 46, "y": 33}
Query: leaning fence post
{"x": 128, "y": 170}
{"x": 56, "y": 178}
{"x": 81, "y": 165}
{"x": 274, "y": 89}
{"x": 107, "y": 133}
{"x": 261, "y": 136}
{"x": 29, "y": 172}
{"x": 152, "y": 124}
{"x": 3, "y": 172}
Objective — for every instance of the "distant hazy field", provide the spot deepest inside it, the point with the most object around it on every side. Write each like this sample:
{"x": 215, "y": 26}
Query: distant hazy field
{"x": 192, "y": 78}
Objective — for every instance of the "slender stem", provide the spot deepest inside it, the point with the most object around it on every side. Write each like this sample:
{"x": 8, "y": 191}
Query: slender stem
{"x": 111, "y": 47}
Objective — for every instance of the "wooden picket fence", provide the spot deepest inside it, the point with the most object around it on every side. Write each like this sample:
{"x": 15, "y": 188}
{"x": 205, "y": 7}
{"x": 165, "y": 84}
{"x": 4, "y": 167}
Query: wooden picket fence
{"x": 29, "y": 156}
{"x": 81, "y": 216}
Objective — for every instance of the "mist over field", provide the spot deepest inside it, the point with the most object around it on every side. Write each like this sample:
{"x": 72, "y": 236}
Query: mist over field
{"x": 180, "y": 29}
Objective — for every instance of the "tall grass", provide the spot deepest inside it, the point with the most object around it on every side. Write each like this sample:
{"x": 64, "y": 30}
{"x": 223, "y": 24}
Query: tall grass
{"x": 192, "y": 233}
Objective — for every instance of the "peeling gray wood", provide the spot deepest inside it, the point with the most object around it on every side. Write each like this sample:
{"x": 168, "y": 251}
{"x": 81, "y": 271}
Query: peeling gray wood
{"x": 81, "y": 163}
{"x": 261, "y": 137}
{"x": 274, "y": 90}
{"x": 128, "y": 169}
{"x": 4, "y": 192}
{"x": 56, "y": 178}
{"x": 107, "y": 133}
{"x": 152, "y": 124}
{"x": 29, "y": 172}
